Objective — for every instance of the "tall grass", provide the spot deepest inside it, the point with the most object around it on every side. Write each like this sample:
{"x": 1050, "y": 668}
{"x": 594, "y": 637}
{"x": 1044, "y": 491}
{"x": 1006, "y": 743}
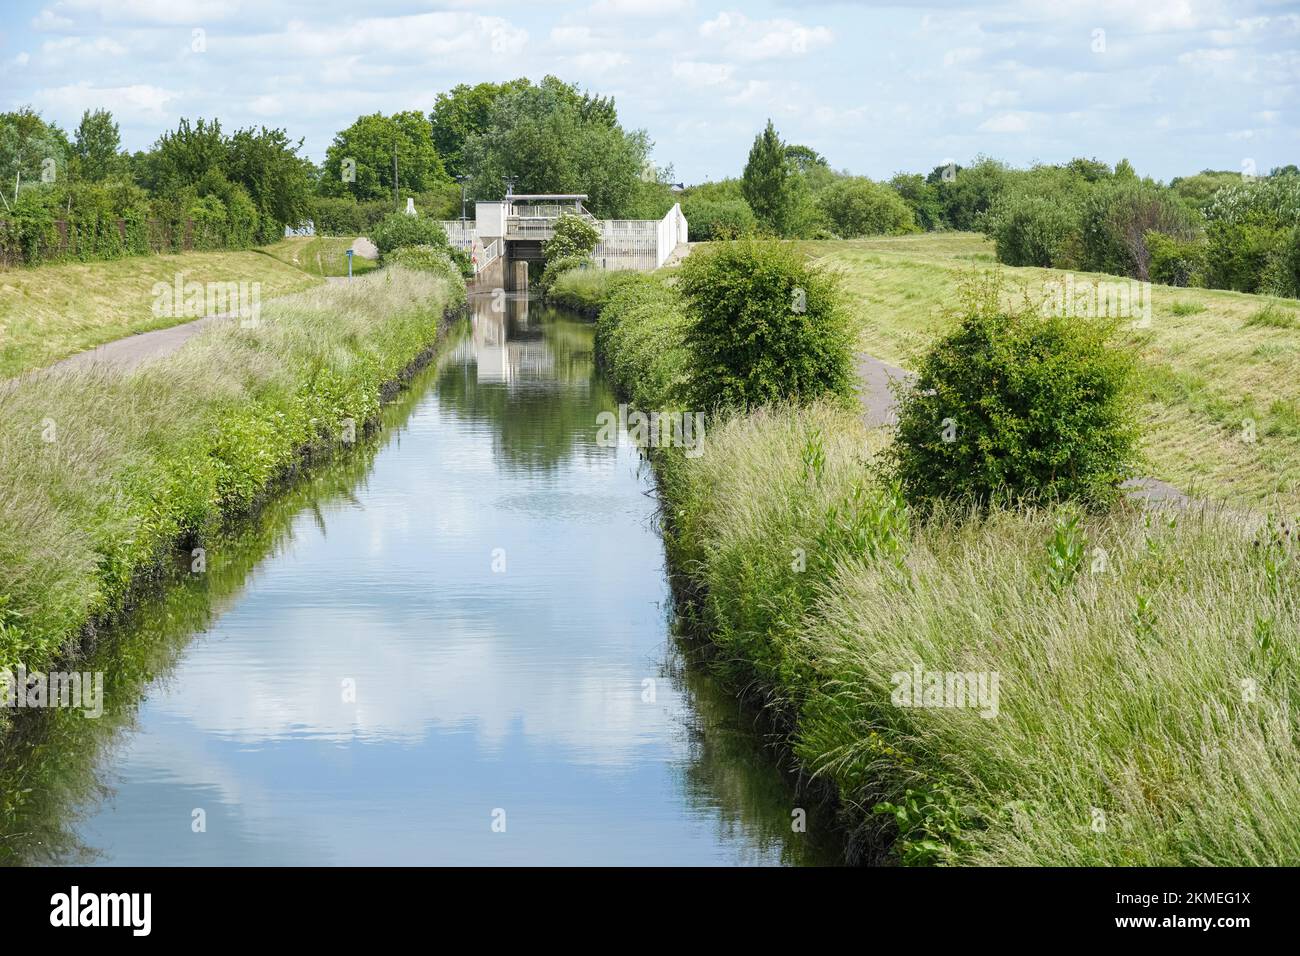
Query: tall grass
{"x": 1148, "y": 690}
{"x": 51, "y": 311}
{"x": 103, "y": 473}
{"x": 586, "y": 290}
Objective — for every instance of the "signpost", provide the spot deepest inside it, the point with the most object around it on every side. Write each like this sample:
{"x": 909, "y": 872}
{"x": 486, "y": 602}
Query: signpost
{"x": 349, "y": 263}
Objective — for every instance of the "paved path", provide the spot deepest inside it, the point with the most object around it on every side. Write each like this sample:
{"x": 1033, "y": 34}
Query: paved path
{"x": 125, "y": 354}
{"x": 879, "y": 407}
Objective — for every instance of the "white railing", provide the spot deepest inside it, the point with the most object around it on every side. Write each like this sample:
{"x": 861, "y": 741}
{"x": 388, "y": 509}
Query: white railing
{"x": 460, "y": 232}
{"x": 490, "y": 254}
{"x": 530, "y": 227}
{"x": 640, "y": 244}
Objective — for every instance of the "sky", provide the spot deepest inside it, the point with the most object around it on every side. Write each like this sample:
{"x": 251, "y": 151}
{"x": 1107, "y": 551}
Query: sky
{"x": 1175, "y": 86}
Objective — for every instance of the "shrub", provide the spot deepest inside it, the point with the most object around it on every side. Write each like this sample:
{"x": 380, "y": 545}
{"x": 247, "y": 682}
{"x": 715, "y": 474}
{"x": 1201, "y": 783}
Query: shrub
{"x": 587, "y": 290}
{"x": 558, "y": 267}
{"x": 397, "y": 229}
{"x": 855, "y": 206}
{"x": 1238, "y": 253}
{"x": 1250, "y": 224}
{"x": 344, "y": 216}
{"x": 1116, "y": 218}
{"x": 765, "y": 325}
{"x": 1175, "y": 261}
{"x": 641, "y": 337}
{"x": 428, "y": 259}
{"x": 574, "y": 237}
{"x": 1281, "y": 274}
{"x": 712, "y": 220}
{"x": 1017, "y": 406}
{"x": 1032, "y": 226}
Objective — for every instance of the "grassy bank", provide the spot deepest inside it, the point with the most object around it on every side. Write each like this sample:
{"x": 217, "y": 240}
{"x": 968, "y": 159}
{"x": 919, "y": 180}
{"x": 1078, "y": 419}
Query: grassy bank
{"x": 1139, "y": 671}
{"x": 1210, "y": 360}
{"x": 52, "y": 311}
{"x": 585, "y": 290}
{"x": 104, "y": 474}
{"x": 319, "y": 255}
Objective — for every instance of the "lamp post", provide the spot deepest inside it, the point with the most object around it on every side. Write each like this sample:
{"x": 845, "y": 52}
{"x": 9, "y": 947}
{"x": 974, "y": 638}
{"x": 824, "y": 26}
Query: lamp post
{"x": 461, "y": 178}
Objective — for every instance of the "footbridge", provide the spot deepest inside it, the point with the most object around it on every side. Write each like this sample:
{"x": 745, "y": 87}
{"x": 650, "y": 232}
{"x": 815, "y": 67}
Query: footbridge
{"x": 505, "y": 238}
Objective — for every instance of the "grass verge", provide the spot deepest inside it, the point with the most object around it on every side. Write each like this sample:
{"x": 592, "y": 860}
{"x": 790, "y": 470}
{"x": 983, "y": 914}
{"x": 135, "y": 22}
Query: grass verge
{"x": 49, "y": 312}
{"x": 1219, "y": 370}
{"x": 1115, "y": 689}
{"x": 586, "y": 290}
{"x": 319, "y": 255}
{"x": 105, "y": 474}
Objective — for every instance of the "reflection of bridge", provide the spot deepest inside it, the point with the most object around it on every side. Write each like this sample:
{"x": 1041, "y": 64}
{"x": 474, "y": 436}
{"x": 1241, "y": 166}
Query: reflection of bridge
{"x": 512, "y": 231}
{"x": 502, "y": 357}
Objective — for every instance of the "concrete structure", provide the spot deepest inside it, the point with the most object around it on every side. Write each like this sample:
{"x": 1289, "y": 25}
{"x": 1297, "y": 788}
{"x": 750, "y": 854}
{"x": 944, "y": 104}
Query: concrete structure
{"x": 515, "y": 228}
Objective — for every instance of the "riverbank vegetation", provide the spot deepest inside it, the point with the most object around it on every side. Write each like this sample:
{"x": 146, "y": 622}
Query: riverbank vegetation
{"x": 105, "y": 473}
{"x": 1132, "y": 696}
{"x": 1215, "y": 368}
{"x": 59, "y": 309}
{"x": 1145, "y": 692}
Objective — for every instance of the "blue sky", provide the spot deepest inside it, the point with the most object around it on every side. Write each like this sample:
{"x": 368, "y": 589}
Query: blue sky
{"x": 1174, "y": 85}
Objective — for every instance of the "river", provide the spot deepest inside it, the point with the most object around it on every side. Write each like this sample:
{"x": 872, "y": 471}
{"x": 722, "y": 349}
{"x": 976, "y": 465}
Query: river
{"x": 452, "y": 645}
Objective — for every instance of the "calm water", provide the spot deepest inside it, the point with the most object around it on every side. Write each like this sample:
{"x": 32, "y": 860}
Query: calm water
{"x": 464, "y": 623}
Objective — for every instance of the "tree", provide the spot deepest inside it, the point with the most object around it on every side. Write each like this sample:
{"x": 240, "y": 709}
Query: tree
{"x": 967, "y": 192}
{"x": 360, "y": 160}
{"x": 766, "y": 181}
{"x": 184, "y": 157}
{"x": 96, "y": 144}
{"x": 804, "y": 158}
{"x": 462, "y": 113}
{"x": 921, "y": 196}
{"x": 28, "y": 146}
{"x": 266, "y": 163}
{"x": 551, "y": 138}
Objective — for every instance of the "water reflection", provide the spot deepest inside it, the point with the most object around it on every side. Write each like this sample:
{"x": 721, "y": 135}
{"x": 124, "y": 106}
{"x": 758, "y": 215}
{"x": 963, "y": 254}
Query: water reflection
{"x": 468, "y": 614}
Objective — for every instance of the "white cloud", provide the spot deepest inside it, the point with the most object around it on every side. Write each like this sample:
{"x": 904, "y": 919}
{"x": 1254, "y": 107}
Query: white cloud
{"x": 48, "y": 21}
{"x": 80, "y": 47}
{"x": 138, "y": 101}
{"x": 639, "y": 8}
{"x": 1006, "y": 123}
{"x": 598, "y": 62}
{"x": 189, "y": 12}
{"x": 695, "y": 73}
{"x": 423, "y": 35}
{"x": 746, "y": 39}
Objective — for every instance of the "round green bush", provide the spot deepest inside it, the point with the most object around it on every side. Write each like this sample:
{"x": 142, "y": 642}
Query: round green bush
{"x": 397, "y": 229}
{"x": 427, "y": 259}
{"x": 1018, "y": 407}
{"x": 855, "y": 206}
{"x": 765, "y": 325}
{"x": 712, "y": 219}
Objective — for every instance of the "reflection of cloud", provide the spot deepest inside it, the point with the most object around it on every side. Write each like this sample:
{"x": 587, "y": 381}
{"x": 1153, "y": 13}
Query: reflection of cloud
{"x": 403, "y": 602}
